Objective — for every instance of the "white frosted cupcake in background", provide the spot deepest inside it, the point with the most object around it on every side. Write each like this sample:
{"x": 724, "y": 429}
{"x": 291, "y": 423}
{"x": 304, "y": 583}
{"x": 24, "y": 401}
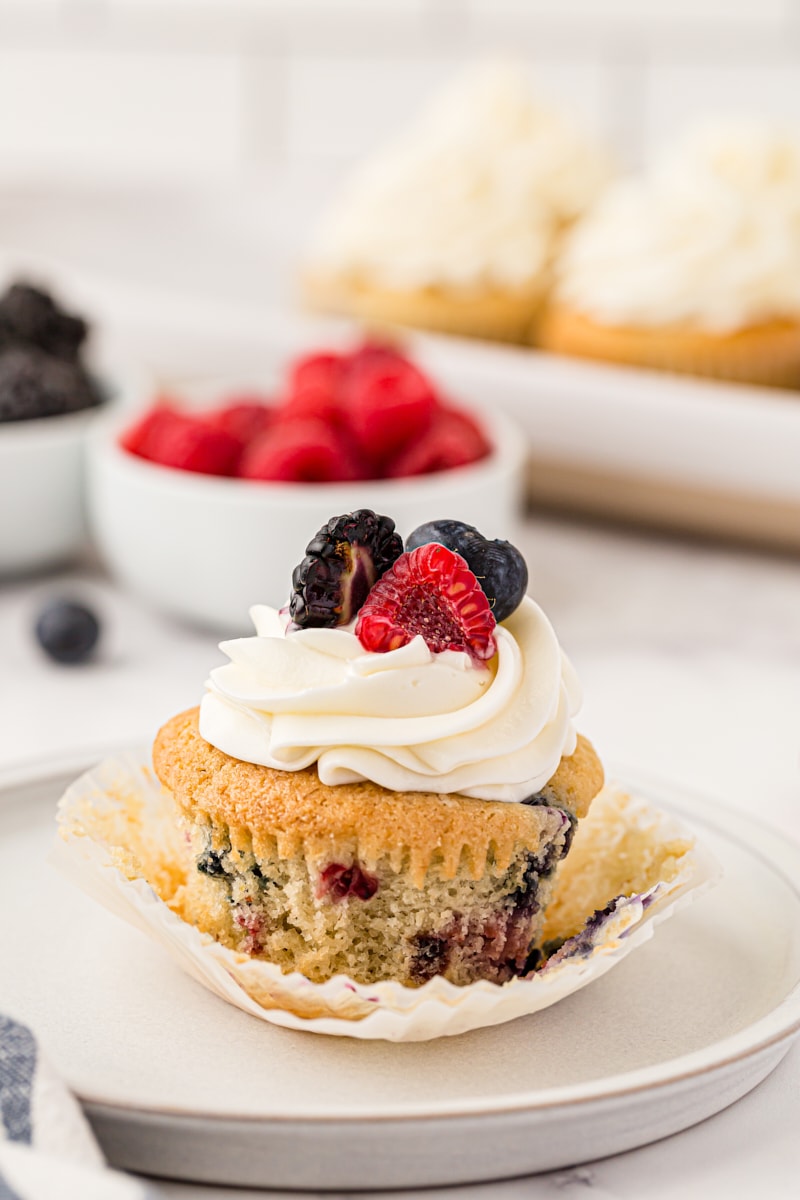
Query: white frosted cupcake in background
{"x": 693, "y": 267}
{"x": 453, "y": 225}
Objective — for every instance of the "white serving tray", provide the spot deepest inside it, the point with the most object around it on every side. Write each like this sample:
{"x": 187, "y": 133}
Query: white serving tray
{"x": 699, "y": 455}
{"x": 177, "y": 1083}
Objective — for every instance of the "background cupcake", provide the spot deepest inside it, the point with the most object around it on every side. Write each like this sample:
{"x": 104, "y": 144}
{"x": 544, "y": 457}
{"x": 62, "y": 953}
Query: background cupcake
{"x": 693, "y": 267}
{"x": 453, "y": 226}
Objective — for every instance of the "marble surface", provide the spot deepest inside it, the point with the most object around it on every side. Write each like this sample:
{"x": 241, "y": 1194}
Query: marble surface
{"x": 689, "y": 655}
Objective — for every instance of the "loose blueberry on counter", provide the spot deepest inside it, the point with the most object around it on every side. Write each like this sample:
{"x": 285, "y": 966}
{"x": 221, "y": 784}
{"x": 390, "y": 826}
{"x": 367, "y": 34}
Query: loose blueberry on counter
{"x": 67, "y": 632}
{"x": 343, "y": 560}
{"x": 498, "y": 566}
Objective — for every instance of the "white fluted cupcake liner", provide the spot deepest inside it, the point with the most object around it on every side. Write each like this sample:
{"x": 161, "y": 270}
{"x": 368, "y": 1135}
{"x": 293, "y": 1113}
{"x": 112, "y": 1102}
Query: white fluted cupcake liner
{"x": 121, "y": 845}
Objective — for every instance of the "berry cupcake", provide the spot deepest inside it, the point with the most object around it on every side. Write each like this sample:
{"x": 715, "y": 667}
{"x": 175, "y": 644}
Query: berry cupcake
{"x": 453, "y": 226}
{"x": 383, "y": 781}
{"x": 694, "y": 267}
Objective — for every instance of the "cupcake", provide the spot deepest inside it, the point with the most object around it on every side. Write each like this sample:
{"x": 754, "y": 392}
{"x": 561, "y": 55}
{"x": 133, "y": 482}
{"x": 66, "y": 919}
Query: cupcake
{"x": 694, "y": 267}
{"x": 382, "y": 782}
{"x": 452, "y": 227}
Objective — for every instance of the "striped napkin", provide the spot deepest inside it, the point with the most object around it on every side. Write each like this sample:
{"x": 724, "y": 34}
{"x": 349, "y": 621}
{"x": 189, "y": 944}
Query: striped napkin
{"x": 47, "y": 1149}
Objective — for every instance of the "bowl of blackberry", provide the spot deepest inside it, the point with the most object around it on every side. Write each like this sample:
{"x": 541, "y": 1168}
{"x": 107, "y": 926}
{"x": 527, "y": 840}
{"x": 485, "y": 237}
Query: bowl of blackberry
{"x": 48, "y": 398}
{"x": 198, "y": 503}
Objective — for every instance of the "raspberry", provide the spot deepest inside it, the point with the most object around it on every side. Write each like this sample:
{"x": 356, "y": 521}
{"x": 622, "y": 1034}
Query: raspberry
{"x": 299, "y": 451}
{"x": 430, "y": 592}
{"x": 316, "y": 389}
{"x": 243, "y": 417}
{"x": 140, "y": 438}
{"x": 497, "y": 565}
{"x": 367, "y": 357}
{"x": 179, "y": 440}
{"x": 453, "y": 440}
{"x": 338, "y": 882}
{"x": 253, "y": 926}
{"x": 391, "y": 405}
{"x": 323, "y": 371}
{"x": 343, "y": 561}
{"x": 318, "y": 402}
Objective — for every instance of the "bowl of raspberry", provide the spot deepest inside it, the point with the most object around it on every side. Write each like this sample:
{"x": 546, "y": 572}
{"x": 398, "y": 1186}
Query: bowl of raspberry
{"x": 48, "y": 399}
{"x": 198, "y": 503}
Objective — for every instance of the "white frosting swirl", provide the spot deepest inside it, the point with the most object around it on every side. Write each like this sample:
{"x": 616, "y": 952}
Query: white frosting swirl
{"x": 471, "y": 196}
{"x": 709, "y": 238}
{"x": 409, "y": 720}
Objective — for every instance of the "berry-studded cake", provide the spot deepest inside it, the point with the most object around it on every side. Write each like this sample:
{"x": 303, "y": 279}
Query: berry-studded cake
{"x": 382, "y": 782}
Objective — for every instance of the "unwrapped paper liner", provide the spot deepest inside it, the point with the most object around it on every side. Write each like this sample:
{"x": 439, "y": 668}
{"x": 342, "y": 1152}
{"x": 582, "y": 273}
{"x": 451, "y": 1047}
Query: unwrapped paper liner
{"x": 121, "y": 844}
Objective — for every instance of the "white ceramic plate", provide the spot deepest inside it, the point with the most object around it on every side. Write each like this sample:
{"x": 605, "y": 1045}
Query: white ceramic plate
{"x": 179, "y": 1084}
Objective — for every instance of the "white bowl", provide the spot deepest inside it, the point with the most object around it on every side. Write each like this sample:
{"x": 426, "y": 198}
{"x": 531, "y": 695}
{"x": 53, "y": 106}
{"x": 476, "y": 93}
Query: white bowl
{"x": 42, "y": 517}
{"x": 207, "y": 548}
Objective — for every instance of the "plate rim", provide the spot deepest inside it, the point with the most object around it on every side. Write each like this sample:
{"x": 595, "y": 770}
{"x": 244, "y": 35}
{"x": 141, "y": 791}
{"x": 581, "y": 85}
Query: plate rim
{"x": 777, "y": 1027}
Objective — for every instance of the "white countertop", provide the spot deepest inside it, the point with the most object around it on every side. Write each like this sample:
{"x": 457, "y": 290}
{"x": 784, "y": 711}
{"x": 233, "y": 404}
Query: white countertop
{"x": 690, "y": 659}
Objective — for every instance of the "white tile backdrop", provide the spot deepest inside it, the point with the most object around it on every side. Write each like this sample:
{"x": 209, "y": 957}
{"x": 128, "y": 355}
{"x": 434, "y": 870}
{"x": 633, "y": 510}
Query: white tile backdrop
{"x": 157, "y": 90}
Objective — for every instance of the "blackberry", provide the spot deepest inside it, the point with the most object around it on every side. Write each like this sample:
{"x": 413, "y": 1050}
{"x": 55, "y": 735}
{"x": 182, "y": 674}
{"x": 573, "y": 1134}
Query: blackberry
{"x": 343, "y": 560}
{"x": 30, "y": 317}
{"x": 429, "y": 956}
{"x": 498, "y": 566}
{"x": 67, "y": 632}
{"x": 533, "y": 961}
{"x": 34, "y": 384}
{"x": 210, "y": 863}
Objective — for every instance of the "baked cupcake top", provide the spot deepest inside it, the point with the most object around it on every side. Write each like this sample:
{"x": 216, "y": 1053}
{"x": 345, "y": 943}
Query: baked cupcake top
{"x": 709, "y": 238}
{"x": 469, "y": 197}
{"x": 285, "y": 811}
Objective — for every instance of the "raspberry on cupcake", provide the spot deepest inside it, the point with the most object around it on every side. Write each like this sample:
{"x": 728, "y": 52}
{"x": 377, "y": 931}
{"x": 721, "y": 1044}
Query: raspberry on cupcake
{"x": 382, "y": 782}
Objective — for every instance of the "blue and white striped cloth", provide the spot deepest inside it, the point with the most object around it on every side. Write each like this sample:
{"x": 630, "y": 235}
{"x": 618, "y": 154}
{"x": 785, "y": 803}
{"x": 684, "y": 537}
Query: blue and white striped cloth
{"x": 47, "y": 1150}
